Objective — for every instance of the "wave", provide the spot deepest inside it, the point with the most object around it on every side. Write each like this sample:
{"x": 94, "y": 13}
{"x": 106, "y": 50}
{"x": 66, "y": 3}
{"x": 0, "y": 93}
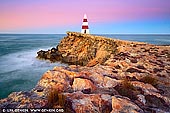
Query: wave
{"x": 22, "y": 66}
{"x": 21, "y": 60}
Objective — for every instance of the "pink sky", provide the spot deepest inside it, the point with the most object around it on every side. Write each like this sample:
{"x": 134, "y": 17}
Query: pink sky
{"x": 36, "y": 14}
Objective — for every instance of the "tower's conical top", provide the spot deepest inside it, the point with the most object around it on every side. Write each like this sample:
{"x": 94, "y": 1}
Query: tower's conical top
{"x": 85, "y": 16}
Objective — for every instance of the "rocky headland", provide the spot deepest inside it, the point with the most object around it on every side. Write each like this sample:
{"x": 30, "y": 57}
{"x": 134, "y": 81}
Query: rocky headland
{"x": 104, "y": 76}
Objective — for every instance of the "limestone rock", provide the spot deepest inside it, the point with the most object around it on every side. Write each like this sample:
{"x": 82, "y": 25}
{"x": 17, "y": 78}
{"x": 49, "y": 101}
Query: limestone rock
{"x": 80, "y": 84}
{"x": 83, "y": 49}
{"x": 109, "y": 82}
{"x": 108, "y": 75}
{"x": 83, "y": 103}
{"x": 120, "y": 104}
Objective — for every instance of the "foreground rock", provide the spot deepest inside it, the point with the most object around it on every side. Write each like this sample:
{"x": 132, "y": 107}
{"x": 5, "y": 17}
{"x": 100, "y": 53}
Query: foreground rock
{"x": 135, "y": 78}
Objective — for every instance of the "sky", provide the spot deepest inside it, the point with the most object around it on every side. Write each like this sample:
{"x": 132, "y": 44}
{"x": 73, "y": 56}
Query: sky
{"x": 104, "y": 16}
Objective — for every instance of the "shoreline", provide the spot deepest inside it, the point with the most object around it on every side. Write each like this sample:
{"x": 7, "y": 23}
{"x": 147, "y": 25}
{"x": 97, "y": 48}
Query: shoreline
{"x": 105, "y": 71}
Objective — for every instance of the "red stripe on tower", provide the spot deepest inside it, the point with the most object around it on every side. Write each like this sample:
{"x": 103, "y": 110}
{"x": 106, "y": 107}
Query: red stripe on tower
{"x": 85, "y": 28}
{"x": 84, "y": 20}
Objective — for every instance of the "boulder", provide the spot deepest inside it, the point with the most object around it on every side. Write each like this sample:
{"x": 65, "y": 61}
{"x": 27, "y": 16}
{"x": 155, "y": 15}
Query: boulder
{"x": 83, "y": 103}
{"x": 80, "y": 84}
{"x": 124, "y": 105}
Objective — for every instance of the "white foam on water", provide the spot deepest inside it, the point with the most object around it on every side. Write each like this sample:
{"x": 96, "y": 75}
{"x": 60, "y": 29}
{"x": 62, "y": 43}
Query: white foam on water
{"x": 24, "y": 61}
{"x": 21, "y": 71}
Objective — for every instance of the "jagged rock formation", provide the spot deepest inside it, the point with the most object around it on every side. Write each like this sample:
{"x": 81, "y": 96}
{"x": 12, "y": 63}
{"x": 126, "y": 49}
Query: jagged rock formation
{"x": 133, "y": 77}
{"x": 83, "y": 49}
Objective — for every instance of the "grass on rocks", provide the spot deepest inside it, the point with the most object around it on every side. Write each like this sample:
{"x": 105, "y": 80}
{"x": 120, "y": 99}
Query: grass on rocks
{"x": 149, "y": 80}
{"x": 127, "y": 89}
{"x": 56, "y": 99}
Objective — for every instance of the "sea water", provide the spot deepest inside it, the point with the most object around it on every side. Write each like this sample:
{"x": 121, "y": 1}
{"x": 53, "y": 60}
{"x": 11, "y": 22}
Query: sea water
{"x": 157, "y": 39}
{"x": 19, "y": 68}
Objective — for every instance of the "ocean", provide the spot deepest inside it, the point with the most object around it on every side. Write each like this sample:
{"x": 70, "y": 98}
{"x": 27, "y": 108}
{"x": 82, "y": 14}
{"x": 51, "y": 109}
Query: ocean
{"x": 19, "y": 68}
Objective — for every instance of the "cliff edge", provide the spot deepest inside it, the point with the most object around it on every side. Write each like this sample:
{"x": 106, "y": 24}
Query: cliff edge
{"x": 112, "y": 76}
{"x": 84, "y": 49}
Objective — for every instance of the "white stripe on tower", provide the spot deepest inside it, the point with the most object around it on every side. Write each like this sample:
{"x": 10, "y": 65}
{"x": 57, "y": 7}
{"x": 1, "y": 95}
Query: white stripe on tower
{"x": 85, "y": 24}
{"x": 85, "y": 28}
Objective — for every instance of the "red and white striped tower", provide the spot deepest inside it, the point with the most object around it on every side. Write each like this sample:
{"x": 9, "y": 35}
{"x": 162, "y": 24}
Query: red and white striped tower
{"x": 85, "y": 28}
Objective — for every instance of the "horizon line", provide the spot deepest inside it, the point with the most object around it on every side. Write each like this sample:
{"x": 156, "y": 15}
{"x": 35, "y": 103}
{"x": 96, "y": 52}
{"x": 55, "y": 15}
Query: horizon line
{"x": 95, "y": 33}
